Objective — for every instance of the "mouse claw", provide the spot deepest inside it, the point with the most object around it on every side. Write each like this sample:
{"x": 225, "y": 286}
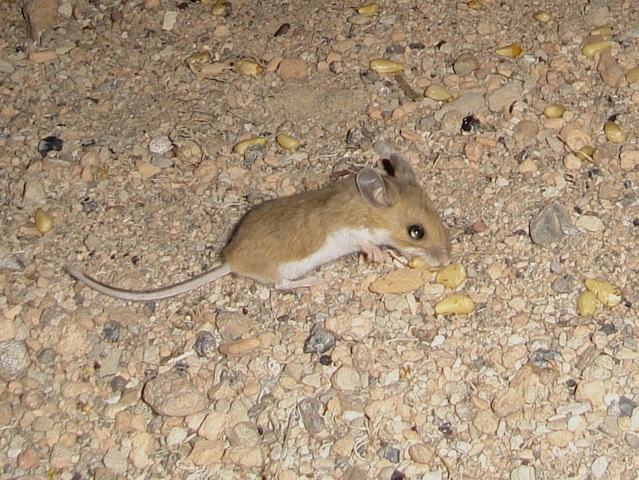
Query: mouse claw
{"x": 373, "y": 253}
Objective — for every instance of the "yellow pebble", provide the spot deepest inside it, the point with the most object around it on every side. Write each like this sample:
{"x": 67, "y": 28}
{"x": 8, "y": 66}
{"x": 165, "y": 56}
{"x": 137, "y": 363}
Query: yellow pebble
{"x": 510, "y": 51}
{"x": 43, "y": 221}
{"x": 586, "y": 304}
{"x": 382, "y": 66}
{"x": 241, "y": 147}
{"x": 606, "y": 292}
{"x": 451, "y": 276}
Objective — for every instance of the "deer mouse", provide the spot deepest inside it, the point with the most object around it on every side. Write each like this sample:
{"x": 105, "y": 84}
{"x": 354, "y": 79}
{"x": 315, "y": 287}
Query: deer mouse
{"x": 281, "y": 240}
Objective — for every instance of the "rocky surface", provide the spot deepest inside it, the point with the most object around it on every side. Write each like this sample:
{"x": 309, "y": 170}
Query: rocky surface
{"x": 119, "y": 121}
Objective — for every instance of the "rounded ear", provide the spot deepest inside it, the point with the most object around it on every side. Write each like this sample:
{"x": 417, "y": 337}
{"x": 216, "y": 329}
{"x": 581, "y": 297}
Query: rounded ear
{"x": 397, "y": 166}
{"x": 373, "y": 189}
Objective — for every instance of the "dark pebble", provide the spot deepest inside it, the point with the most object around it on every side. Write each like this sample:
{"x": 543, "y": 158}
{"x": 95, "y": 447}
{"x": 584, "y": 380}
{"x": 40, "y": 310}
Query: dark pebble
{"x": 49, "y": 144}
{"x": 320, "y": 340}
{"x": 205, "y": 345}
{"x": 111, "y": 332}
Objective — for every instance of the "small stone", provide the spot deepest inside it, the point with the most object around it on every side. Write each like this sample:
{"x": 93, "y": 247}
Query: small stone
{"x": 507, "y": 402}
{"x": 232, "y": 325}
{"x": 240, "y": 347}
{"x": 170, "y": 19}
{"x": 589, "y": 223}
{"x": 392, "y": 454}
{"x": 399, "y": 281}
{"x": 611, "y": 72}
{"x": 160, "y": 145}
{"x": 525, "y": 131}
{"x": 40, "y": 15}
{"x": 559, "y": 438}
{"x": 599, "y": 466}
{"x": 292, "y": 69}
{"x": 111, "y": 332}
{"x": 523, "y": 472}
{"x": 548, "y": 225}
{"x": 244, "y": 433}
{"x": 632, "y": 439}
{"x": 572, "y": 162}
{"x": 629, "y": 159}
{"x": 592, "y": 390}
{"x": 28, "y": 459}
{"x": 504, "y": 97}
{"x": 32, "y": 399}
{"x": 319, "y": 341}
{"x": 14, "y": 360}
{"x": 564, "y": 284}
{"x": 147, "y": 170}
{"x": 465, "y": 65}
{"x": 346, "y": 378}
{"x": 627, "y": 406}
{"x": 206, "y": 452}
{"x": 486, "y": 422}
{"x": 350, "y": 326}
{"x": 60, "y": 457}
{"x": 115, "y": 461}
{"x": 173, "y": 396}
{"x": 385, "y": 149}
{"x": 310, "y": 409}
{"x": 34, "y": 193}
{"x": 45, "y": 56}
{"x": 205, "y": 345}
{"x": 248, "y": 457}
{"x": 214, "y": 426}
{"x": 422, "y": 453}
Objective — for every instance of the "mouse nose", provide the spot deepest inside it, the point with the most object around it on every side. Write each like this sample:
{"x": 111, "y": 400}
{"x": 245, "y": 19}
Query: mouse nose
{"x": 438, "y": 257}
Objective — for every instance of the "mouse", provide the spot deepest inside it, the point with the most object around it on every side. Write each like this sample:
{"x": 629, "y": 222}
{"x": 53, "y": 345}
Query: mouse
{"x": 280, "y": 241}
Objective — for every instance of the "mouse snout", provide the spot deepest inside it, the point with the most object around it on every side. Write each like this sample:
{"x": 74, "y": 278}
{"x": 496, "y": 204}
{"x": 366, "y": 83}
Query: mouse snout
{"x": 437, "y": 257}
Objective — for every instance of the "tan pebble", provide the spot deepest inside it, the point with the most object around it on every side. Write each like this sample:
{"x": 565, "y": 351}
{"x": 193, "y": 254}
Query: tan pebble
{"x": 574, "y": 136}
{"x": 350, "y": 326}
{"x": 28, "y": 458}
{"x": 613, "y": 132}
{"x": 399, "y": 281}
{"x": 590, "y": 223}
{"x": 344, "y": 46}
{"x": 486, "y": 422}
{"x": 455, "y": 304}
{"x": 60, "y": 457}
{"x": 43, "y": 57}
{"x": 607, "y": 293}
{"x": 90, "y": 159}
{"x": 435, "y": 91}
{"x": 571, "y": 162}
{"x": 591, "y": 390}
{"x": 214, "y": 426}
{"x": 346, "y": 379}
{"x": 240, "y": 347}
{"x": 206, "y": 452}
{"x": 528, "y": 166}
{"x": 213, "y": 69}
{"x": 422, "y": 453}
{"x": 292, "y": 69}
{"x": 147, "y": 170}
{"x": 629, "y": 159}
{"x": 465, "y": 65}
{"x": 343, "y": 446}
{"x": 384, "y": 66}
{"x": 507, "y": 402}
{"x": 451, "y": 276}
{"x": 509, "y": 51}
{"x": 559, "y": 438}
{"x": 474, "y": 151}
{"x": 411, "y": 135}
{"x": 586, "y": 304}
{"x": 43, "y": 221}
{"x": 632, "y": 75}
{"x": 611, "y": 72}
{"x": 244, "y": 456}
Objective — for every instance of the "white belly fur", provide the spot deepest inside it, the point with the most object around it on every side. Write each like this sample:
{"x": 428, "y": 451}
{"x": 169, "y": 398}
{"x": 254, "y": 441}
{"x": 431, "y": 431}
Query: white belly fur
{"x": 339, "y": 243}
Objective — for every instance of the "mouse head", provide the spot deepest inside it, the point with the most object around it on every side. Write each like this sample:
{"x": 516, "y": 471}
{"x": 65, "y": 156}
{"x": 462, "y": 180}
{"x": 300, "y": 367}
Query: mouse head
{"x": 406, "y": 212}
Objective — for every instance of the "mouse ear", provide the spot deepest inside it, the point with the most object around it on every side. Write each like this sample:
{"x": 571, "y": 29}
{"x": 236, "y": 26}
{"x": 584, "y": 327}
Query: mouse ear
{"x": 372, "y": 187}
{"x": 397, "y": 166}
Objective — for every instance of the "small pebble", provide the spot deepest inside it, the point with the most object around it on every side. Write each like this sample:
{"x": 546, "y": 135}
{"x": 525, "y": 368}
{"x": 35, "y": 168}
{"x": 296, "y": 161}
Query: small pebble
{"x": 319, "y": 341}
{"x": 205, "y": 345}
{"x": 111, "y": 332}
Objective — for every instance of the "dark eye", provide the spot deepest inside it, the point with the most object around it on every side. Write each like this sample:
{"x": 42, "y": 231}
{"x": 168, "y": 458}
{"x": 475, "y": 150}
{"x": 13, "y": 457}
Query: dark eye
{"x": 416, "y": 232}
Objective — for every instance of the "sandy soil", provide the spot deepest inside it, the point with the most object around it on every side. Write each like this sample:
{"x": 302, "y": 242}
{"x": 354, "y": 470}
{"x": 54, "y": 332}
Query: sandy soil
{"x": 522, "y": 388}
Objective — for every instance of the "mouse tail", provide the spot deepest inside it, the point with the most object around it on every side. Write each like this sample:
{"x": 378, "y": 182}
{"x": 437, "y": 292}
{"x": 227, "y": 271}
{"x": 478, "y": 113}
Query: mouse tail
{"x": 153, "y": 294}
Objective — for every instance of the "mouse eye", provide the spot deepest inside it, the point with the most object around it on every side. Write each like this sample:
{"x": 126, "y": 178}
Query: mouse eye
{"x": 416, "y": 232}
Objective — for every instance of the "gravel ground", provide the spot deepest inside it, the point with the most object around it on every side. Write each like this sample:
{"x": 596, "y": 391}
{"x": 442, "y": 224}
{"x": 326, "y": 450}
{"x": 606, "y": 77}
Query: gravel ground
{"x": 119, "y": 121}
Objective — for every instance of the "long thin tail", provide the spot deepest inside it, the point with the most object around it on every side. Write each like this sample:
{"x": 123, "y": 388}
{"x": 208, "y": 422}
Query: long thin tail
{"x": 153, "y": 294}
